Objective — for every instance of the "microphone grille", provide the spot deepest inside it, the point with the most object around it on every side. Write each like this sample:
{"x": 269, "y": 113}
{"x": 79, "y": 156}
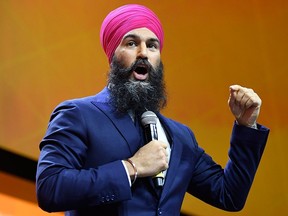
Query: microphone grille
{"x": 148, "y": 117}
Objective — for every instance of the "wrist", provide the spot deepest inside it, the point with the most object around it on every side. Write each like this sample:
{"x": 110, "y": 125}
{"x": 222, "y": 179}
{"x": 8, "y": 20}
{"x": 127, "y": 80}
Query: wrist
{"x": 132, "y": 170}
{"x": 254, "y": 125}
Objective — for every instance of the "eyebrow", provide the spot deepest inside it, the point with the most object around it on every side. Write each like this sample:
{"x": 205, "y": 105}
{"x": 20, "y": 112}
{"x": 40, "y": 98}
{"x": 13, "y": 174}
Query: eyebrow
{"x": 152, "y": 39}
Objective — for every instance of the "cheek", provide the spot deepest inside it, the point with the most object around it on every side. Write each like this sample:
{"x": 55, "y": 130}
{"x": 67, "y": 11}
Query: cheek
{"x": 125, "y": 58}
{"x": 155, "y": 61}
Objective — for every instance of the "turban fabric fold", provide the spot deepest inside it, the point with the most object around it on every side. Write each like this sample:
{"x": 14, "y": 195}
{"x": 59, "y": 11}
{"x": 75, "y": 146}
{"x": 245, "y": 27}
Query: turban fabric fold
{"x": 124, "y": 19}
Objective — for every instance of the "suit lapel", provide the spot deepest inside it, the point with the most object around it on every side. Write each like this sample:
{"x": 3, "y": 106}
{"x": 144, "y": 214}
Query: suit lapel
{"x": 174, "y": 157}
{"x": 122, "y": 122}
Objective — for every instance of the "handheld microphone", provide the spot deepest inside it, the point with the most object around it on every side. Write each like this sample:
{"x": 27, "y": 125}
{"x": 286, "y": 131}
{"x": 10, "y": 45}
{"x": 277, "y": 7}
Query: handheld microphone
{"x": 149, "y": 120}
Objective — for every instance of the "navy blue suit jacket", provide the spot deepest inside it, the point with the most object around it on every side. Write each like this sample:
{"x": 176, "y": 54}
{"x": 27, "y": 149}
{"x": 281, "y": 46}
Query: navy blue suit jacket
{"x": 80, "y": 169}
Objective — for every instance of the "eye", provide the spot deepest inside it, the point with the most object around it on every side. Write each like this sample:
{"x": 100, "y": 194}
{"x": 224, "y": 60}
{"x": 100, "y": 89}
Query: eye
{"x": 152, "y": 46}
{"x": 131, "y": 43}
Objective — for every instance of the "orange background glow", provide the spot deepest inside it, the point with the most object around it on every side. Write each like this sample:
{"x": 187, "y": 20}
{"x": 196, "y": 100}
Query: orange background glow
{"x": 50, "y": 52}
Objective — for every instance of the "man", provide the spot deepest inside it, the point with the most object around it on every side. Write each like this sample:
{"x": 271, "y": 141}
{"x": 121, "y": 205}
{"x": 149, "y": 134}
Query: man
{"x": 95, "y": 160}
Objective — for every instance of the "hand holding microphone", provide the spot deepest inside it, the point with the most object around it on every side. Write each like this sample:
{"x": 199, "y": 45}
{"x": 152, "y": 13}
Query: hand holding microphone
{"x": 152, "y": 158}
{"x": 149, "y": 121}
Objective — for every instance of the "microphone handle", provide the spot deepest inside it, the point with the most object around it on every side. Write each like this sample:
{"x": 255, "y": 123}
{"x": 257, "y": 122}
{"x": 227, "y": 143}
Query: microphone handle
{"x": 151, "y": 134}
{"x": 158, "y": 180}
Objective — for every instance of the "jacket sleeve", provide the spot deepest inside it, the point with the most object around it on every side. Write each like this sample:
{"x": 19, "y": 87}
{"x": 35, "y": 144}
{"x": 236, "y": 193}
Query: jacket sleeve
{"x": 228, "y": 188}
{"x": 61, "y": 181}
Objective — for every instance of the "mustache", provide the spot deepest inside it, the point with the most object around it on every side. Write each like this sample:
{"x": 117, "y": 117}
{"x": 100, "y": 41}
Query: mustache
{"x": 143, "y": 63}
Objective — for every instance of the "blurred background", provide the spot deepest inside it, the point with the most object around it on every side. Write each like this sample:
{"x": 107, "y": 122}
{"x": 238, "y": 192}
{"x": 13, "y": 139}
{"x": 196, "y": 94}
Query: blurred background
{"x": 50, "y": 52}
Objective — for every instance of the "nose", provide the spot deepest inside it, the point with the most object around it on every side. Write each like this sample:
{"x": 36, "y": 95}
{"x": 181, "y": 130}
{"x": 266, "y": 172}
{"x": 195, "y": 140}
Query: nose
{"x": 142, "y": 50}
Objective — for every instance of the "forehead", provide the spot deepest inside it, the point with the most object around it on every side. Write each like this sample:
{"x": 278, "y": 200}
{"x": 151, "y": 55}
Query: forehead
{"x": 142, "y": 33}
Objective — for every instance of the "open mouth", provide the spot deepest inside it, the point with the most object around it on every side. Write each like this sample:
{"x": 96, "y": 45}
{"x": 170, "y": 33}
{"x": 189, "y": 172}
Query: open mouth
{"x": 141, "y": 70}
{"x": 140, "y": 73}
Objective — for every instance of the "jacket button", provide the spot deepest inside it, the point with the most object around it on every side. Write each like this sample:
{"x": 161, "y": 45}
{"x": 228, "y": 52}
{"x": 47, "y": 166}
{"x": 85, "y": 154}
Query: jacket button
{"x": 159, "y": 211}
{"x": 112, "y": 197}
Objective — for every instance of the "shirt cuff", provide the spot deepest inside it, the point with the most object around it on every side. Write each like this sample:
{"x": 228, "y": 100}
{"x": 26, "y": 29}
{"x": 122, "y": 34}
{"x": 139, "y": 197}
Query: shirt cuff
{"x": 128, "y": 175}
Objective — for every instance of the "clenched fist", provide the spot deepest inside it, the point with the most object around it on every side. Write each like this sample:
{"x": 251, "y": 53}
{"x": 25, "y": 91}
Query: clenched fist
{"x": 245, "y": 105}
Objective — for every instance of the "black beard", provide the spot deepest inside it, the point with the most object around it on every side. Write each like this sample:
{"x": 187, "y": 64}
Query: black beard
{"x": 137, "y": 96}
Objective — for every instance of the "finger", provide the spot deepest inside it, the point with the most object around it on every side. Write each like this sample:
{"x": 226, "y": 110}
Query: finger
{"x": 242, "y": 96}
{"x": 253, "y": 101}
{"x": 249, "y": 103}
{"x": 250, "y": 98}
{"x": 163, "y": 145}
{"x": 235, "y": 87}
{"x": 245, "y": 99}
{"x": 235, "y": 97}
{"x": 236, "y": 92}
{"x": 232, "y": 96}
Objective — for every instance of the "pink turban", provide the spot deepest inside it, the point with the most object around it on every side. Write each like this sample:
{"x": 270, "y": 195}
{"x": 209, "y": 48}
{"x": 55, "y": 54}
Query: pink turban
{"x": 124, "y": 19}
